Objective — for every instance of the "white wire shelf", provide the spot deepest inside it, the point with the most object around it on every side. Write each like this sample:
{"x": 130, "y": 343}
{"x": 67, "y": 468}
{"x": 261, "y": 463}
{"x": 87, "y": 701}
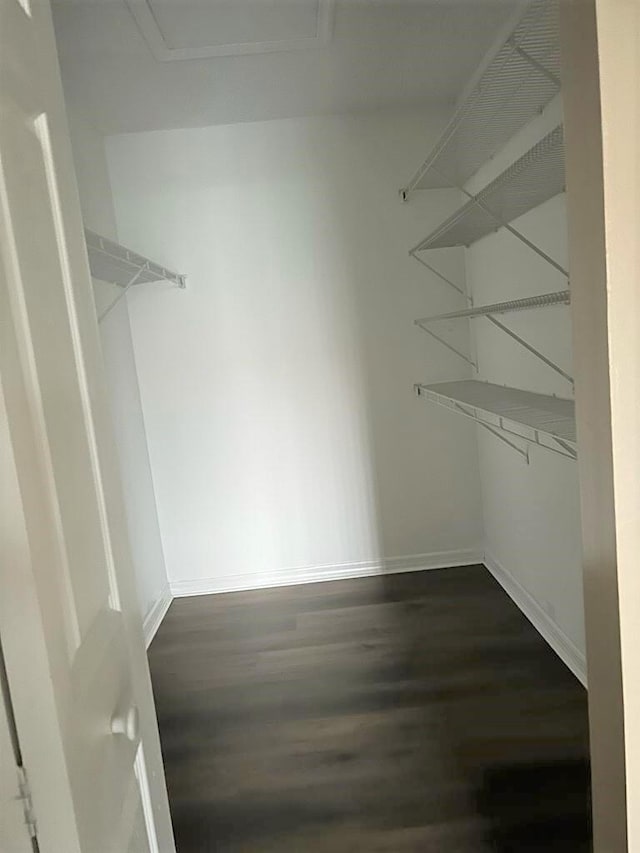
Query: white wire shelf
{"x": 109, "y": 261}
{"x": 561, "y": 297}
{"x": 541, "y": 419}
{"x": 515, "y": 83}
{"x": 533, "y": 179}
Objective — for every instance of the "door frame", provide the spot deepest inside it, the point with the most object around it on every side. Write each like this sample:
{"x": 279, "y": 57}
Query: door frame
{"x": 601, "y": 90}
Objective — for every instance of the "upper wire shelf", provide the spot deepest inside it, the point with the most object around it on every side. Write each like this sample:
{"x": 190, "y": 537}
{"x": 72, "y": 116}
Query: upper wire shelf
{"x": 109, "y": 261}
{"x": 533, "y": 179}
{"x": 519, "y": 80}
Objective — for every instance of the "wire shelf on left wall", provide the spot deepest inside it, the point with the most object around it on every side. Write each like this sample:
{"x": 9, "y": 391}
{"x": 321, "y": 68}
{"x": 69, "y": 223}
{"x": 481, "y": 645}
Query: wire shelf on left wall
{"x": 109, "y": 261}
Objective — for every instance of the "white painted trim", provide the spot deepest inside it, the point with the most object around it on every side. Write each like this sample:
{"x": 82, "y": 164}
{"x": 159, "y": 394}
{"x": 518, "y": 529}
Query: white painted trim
{"x": 142, "y": 12}
{"x": 316, "y": 574}
{"x": 140, "y": 769}
{"x": 565, "y": 648}
{"x": 155, "y": 616}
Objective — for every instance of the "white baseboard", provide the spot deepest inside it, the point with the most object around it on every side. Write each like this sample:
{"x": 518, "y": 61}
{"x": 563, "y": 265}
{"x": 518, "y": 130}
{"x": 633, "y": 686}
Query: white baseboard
{"x": 544, "y": 624}
{"x": 316, "y": 574}
{"x": 155, "y": 616}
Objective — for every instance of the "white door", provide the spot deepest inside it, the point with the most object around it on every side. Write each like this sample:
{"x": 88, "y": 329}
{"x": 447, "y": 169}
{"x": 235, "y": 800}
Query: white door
{"x": 70, "y": 631}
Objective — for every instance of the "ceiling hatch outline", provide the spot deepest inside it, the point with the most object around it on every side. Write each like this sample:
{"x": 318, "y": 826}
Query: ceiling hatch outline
{"x": 142, "y": 12}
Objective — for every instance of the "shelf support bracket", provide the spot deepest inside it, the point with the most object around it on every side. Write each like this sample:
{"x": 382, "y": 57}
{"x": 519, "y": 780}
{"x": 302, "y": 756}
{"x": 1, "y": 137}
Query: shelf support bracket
{"x": 442, "y": 277}
{"x": 507, "y": 226}
{"x": 570, "y": 452}
{"x": 520, "y": 236}
{"x": 448, "y": 346}
{"x": 537, "y": 65}
{"x": 523, "y": 452}
{"x": 529, "y": 348}
{"x": 120, "y": 296}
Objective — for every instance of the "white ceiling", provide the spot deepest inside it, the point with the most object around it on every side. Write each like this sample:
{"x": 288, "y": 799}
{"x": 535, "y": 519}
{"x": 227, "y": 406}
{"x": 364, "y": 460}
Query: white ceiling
{"x": 126, "y": 65}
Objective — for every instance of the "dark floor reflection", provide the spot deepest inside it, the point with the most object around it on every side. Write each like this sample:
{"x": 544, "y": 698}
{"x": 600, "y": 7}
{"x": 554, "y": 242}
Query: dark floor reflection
{"x": 535, "y": 807}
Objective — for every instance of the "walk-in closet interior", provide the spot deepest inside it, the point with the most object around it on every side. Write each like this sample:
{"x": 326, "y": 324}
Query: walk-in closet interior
{"x": 328, "y": 241}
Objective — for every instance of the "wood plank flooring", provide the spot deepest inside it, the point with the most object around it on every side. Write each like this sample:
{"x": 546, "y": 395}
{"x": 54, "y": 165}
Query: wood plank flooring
{"x": 412, "y": 712}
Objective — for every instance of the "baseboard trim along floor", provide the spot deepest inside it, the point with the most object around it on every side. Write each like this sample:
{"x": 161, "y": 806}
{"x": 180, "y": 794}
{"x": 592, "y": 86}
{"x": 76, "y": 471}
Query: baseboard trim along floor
{"x": 318, "y": 574}
{"x": 544, "y": 624}
{"x": 541, "y": 621}
{"x": 154, "y": 617}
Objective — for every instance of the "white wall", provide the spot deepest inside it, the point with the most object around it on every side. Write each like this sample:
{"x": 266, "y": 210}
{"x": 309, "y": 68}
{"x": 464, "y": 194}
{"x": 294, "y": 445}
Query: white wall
{"x": 93, "y": 177}
{"x": 531, "y": 512}
{"x": 98, "y": 214}
{"x": 277, "y": 389}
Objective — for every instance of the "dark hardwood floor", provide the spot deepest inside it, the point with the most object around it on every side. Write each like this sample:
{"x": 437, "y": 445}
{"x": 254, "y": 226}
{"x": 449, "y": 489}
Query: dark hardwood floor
{"x": 413, "y": 712}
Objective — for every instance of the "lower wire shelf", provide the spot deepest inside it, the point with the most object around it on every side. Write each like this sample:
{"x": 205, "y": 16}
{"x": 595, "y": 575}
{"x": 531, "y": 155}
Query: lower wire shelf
{"x": 540, "y": 419}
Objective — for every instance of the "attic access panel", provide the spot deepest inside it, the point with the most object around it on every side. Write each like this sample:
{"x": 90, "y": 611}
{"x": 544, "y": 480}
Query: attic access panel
{"x": 223, "y": 28}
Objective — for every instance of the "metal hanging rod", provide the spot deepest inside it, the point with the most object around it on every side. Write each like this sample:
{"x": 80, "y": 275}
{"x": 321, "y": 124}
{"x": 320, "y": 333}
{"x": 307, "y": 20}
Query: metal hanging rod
{"x": 561, "y": 297}
{"x": 516, "y": 81}
{"x": 540, "y": 419}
